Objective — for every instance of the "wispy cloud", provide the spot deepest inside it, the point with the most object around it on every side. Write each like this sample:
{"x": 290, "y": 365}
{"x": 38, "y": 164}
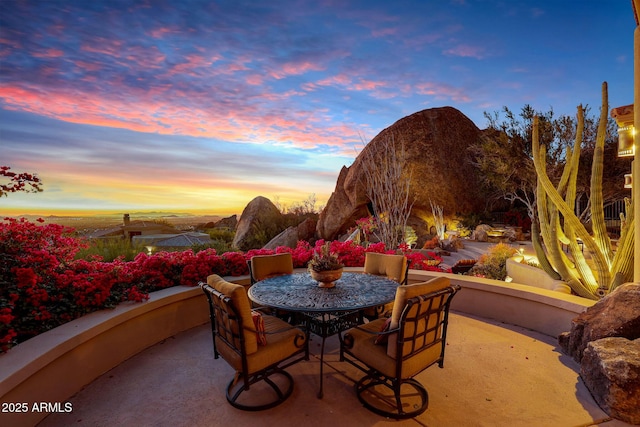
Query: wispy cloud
{"x": 108, "y": 93}
{"x": 466, "y": 51}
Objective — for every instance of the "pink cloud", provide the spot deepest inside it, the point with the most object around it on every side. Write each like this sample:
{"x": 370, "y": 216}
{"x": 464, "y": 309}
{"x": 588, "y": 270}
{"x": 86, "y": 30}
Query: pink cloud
{"x": 238, "y": 123}
{"x": 383, "y": 32}
{"x": 87, "y": 66}
{"x": 442, "y": 91}
{"x": 49, "y": 53}
{"x": 254, "y": 80}
{"x": 368, "y": 85}
{"x": 104, "y": 47}
{"x": 294, "y": 69}
{"x": 159, "y": 33}
{"x": 191, "y": 63}
{"x": 466, "y": 51}
{"x": 340, "y": 79}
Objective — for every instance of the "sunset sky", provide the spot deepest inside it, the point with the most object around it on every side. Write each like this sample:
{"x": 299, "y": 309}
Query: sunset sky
{"x": 200, "y": 106}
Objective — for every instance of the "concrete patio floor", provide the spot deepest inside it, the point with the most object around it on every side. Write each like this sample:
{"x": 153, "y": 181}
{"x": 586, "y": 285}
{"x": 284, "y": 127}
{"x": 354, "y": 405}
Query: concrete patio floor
{"x": 494, "y": 375}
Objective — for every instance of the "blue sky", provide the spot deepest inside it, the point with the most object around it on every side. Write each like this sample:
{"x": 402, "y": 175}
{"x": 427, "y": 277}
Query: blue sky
{"x": 200, "y": 106}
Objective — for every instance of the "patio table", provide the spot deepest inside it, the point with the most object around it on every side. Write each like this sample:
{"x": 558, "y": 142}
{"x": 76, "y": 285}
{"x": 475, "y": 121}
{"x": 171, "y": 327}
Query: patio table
{"x": 327, "y": 311}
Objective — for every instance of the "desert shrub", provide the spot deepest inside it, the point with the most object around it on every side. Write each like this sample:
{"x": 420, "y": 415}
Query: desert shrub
{"x": 470, "y": 221}
{"x": 493, "y": 264}
{"x": 109, "y": 250}
{"x": 263, "y": 230}
{"x": 222, "y": 240}
{"x": 222, "y": 234}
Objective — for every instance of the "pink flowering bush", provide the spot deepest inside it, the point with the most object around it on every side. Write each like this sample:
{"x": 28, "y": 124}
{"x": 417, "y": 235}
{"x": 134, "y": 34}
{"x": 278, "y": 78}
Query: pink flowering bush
{"x": 43, "y": 285}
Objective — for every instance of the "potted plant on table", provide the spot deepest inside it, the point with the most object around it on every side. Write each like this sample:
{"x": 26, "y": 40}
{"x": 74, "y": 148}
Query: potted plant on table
{"x": 325, "y": 267}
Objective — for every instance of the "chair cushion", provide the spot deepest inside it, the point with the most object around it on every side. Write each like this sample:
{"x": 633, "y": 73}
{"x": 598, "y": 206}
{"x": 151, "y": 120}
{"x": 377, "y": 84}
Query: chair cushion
{"x": 403, "y": 293}
{"x": 281, "y": 345}
{"x": 265, "y": 266}
{"x": 376, "y": 357}
{"x": 238, "y": 295}
{"x": 393, "y": 267}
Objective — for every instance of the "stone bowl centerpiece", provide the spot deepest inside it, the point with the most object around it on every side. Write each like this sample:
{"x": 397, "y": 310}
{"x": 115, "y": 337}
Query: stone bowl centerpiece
{"x": 324, "y": 267}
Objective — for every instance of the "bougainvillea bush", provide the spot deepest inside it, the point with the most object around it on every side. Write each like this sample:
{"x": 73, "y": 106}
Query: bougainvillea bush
{"x": 43, "y": 284}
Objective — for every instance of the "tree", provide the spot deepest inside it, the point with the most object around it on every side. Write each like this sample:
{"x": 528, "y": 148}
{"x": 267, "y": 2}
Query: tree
{"x": 24, "y": 181}
{"x": 504, "y": 155}
{"x": 506, "y": 161}
{"x": 387, "y": 182}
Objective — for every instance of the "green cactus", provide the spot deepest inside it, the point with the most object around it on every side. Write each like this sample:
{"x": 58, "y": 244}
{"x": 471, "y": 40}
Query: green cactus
{"x": 558, "y": 222}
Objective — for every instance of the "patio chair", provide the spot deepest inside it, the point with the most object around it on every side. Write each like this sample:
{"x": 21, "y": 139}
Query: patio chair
{"x": 264, "y": 266}
{"x": 391, "y": 356}
{"x": 394, "y": 267}
{"x": 258, "y": 347}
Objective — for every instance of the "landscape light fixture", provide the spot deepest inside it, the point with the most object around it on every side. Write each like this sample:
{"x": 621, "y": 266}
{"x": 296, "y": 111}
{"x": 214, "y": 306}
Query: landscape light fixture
{"x": 626, "y": 130}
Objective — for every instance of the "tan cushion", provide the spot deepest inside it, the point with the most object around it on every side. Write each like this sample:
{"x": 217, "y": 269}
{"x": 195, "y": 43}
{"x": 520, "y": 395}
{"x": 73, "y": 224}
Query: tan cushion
{"x": 393, "y": 267}
{"x": 375, "y": 356}
{"x": 283, "y": 341}
{"x": 241, "y": 303}
{"x": 265, "y": 266}
{"x": 404, "y": 293}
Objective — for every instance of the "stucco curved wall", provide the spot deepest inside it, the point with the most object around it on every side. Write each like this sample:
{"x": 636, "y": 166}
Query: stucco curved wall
{"x": 525, "y": 274}
{"x": 55, "y": 365}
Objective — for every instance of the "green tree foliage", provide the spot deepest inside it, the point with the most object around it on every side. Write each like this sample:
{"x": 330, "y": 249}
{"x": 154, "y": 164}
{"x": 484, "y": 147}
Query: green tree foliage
{"x": 505, "y": 155}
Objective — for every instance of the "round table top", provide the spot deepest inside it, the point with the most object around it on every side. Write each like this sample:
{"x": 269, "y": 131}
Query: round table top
{"x": 299, "y": 292}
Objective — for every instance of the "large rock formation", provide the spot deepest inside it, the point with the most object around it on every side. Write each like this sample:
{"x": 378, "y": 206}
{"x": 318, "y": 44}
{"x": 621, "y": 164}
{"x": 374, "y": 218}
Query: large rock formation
{"x": 605, "y": 339}
{"x": 611, "y": 371}
{"x": 436, "y": 145}
{"x": 230, "y": 222}
{"x": 616, "y": 315}
{"x": 290, "y": 237}
{"x": 260, "y": 222}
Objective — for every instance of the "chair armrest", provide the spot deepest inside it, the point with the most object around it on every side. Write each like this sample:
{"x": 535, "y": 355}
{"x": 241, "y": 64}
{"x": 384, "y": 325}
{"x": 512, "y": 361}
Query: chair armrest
{"x": 347, "y": 338}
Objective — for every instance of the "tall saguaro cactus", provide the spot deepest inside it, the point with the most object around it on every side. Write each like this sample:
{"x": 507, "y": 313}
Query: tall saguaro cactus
{"x": 559, "y": 224}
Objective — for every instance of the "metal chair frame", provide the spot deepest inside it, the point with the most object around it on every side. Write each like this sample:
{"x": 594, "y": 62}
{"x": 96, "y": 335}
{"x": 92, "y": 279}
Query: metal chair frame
{"x": 410, "y": 316}
{"x": 224, "y": 318}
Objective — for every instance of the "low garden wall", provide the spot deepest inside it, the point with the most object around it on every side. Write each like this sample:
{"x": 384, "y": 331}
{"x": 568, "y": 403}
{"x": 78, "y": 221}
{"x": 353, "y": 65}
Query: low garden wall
{"x": 526, "y": 274}
{"x": 55, "y": 365}
{"x": 548, "y": 312}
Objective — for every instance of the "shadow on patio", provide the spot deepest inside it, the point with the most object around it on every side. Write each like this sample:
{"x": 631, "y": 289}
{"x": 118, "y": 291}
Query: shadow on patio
{"x": 494, "y": 375}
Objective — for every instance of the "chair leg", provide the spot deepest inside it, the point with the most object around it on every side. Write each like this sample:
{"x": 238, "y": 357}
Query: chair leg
{"x": 368, "y": 396}
{"x": 237, "y": 388}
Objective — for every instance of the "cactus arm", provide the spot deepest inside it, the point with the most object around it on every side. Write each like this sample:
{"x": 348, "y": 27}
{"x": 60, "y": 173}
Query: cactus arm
{"x": 540, "y": 253}
{"x": 597, "y": 205}
{"x": 623, "y": 260}
{"x": 584, "y": 270}
{"x": 548, "y": 237}
{"x": 624, "y": 256}
{"x": 549, "y": 229}
{"x": 564, "y": 182}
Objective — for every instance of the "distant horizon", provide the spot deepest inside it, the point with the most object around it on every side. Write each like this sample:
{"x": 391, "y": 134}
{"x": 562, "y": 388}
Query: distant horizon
{"x": 115, "y": 213}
